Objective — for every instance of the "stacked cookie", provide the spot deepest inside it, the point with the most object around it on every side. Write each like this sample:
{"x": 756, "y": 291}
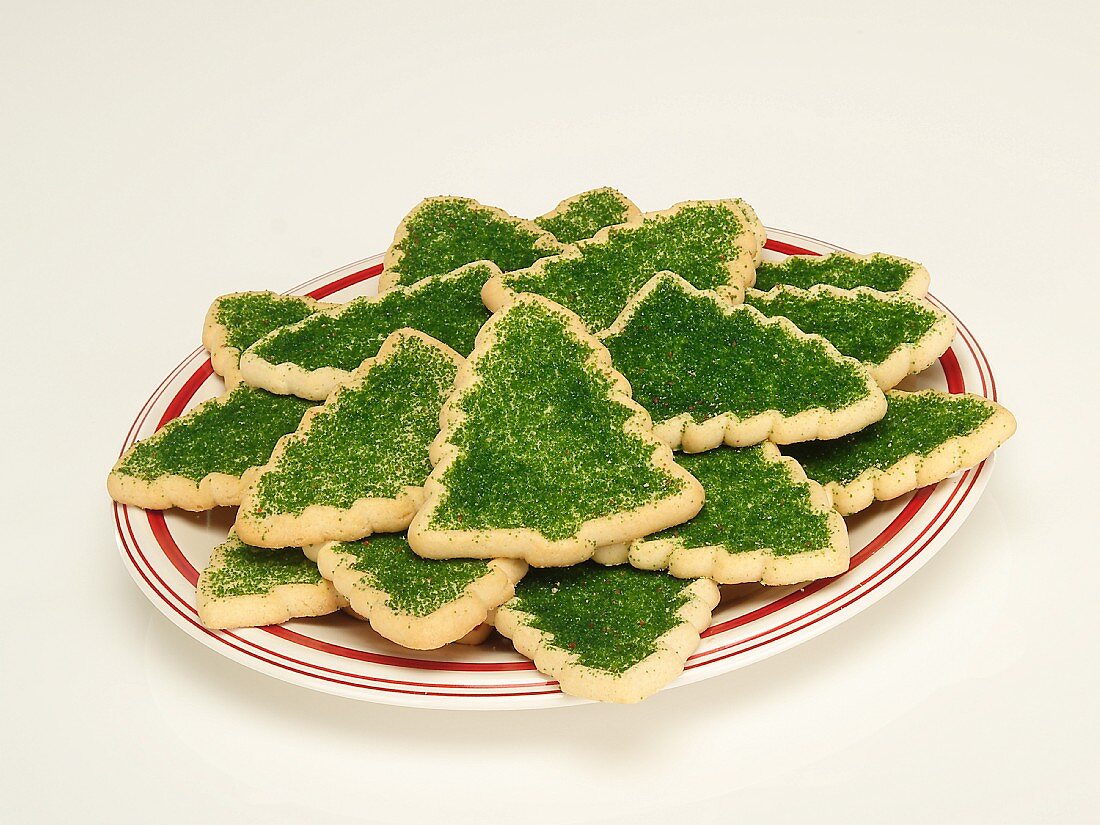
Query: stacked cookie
{"x": 568, "y": 429}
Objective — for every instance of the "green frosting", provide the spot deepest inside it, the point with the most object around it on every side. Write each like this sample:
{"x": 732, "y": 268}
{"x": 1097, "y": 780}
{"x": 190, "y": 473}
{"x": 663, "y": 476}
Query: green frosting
{"x": 882, "y": 272}
{"x": 227, "y": 436}
{"x": 412, "y": 585}
{"x": 371, "y": 438}
{"x": 866, "y": 327}
{"x": 587, "y": 215}
{"x": 695, "y": 242}
{"x": 914, "y": 423}
{"x": 752, "y": 504}
{"x": 542, "y": 445}
{"x": 244, "y": 570}
{"x": 610, "y": 618}
{"x": 687, "y": 353}
{"x": 446, "y": 307}
{"x": 250, "y": 316}
{"x": 444, "y": 234}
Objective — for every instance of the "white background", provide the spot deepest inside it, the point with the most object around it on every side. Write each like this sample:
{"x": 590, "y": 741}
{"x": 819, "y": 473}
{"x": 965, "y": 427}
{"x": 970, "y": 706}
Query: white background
{"x": 154, "y": 155}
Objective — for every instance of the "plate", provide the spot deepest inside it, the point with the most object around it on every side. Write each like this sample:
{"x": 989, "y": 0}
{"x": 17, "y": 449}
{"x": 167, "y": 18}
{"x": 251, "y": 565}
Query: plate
{"x": 890, "y": 541}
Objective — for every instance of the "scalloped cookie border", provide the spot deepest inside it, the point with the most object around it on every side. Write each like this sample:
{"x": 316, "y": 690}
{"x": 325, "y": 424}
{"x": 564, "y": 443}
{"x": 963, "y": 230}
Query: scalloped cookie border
{"x": 319, "y": 523}
{"x": 682, "y": 433}
{"x": 289, "y": 378}
{"x": 632, "y": 210}
{"x": 524, "y": 543}
{"x": 909, "y": 357}
{"x": 637, "y": 682}
{"x": 450, "y": 622}
{"x": 173, "y": 490}
{"x": 741, "y": 270}
{"x": 916, "y": 284}
{"x": 280, "y": 604}
{"x": 389, "y": 278}
{"x": 915, "y": 471}
{"x": 763, "y": 565}
{"x": 226, "y": 359}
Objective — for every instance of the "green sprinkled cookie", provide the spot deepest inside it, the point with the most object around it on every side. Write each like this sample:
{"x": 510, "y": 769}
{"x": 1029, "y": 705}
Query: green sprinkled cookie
{"x": 443, "y": 233}
{"x": 543, "y": 455}
{"x": 418, "y": 603}
{"x": 246, "y": 586}
{"x": 710, "y": 372}
{"x": 892, "y": 333}
{"x": 923, "y": 438}
{"x": 886, "y": 273}
{"x": 581, "y": 216}
{"x": 357, "y": 463}
{"x": 205, "y": 458}
{"x": 615, "y": 634}
{"x": 236, "y": 321}
{"x": 313, "y": 357}
{"x": 711, "y": 244}
{"x": 763, "y": 521}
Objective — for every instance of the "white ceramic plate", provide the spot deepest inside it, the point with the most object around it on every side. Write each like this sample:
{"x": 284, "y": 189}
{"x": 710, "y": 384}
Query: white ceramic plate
{"x": 890, "y": 541}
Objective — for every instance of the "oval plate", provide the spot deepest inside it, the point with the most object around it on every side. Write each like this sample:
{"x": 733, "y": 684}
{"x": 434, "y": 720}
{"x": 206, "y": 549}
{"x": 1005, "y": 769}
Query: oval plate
{"x": 337, "y": 654}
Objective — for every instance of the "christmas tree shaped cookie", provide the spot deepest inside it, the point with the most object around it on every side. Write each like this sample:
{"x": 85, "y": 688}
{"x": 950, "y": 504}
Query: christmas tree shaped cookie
{"x": 615, "y": 634}
{"x": 543, "y": 456}
{"x": 886, "y": 273}
{"x": 923, "y": 438}
{"x": 441, "y": 234}
{"x": 236, "y": 321}
{"x": 205, "y": 458}
{"x": 710, "y": 372}
{"x": 581, "y": 216}
{"x": 357, "y": 463}
{"x": 313, "y": 357}
{"x": 893, "y": 334}
{"x": 246, "y": 586}
{"x": 763, "y": 521}
{"x": 712, "y": 244}
{"x": 418, "y": 603}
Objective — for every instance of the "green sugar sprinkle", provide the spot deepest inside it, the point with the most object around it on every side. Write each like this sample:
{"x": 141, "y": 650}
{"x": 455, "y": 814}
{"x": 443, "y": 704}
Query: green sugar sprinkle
{"x": 250, "y": 316}
{"x": 686, "y": 353}
{"x": 224, "y": 437}
{"x": 444, "y": 234}
{"x": 752, "y": 504}
{"x": 447, "y": 307}
{"x": 914, "y": 423}
{"x": 370, "y": 440}
{"x": 610, "y": 618}
{"x": 695, "y": 242}
{"x": 542, "y": 446}
{"x": 587, "y": 215}
{"x": 244, "y": 570}
{"x": 412, "y": 585}
{"x": 866, "y": 327}
{"x": 881, "y": 272}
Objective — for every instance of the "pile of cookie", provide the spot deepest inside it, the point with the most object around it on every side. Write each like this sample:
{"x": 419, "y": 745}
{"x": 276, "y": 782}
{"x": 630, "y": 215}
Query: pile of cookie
{"x": 572, "y": 429}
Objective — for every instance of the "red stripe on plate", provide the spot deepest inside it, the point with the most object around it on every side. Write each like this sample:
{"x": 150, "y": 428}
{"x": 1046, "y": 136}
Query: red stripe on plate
{"x": 786, "y": 248}
{"x": 860, "y": 595}
{"x": 345, "y": 282}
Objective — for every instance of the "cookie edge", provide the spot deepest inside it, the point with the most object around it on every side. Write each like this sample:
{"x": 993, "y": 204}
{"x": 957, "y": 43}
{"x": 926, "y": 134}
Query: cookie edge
{"x": 525, "y": 543}
{"x": 314, "y": 524}
{"x": 741, "y": 270}
{"x": 450, "y": 622}
{"x": 682, "y": 433}
{"x": 915, "y": 471}
{"x": 390, "y": 277}
{"x": 640, "y": 680}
